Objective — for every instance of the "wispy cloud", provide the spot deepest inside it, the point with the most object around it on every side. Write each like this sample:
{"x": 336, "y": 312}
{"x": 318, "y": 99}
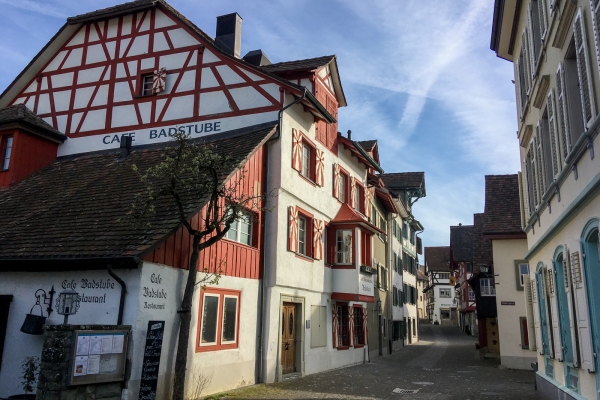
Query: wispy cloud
{"x": 37, "y": 7}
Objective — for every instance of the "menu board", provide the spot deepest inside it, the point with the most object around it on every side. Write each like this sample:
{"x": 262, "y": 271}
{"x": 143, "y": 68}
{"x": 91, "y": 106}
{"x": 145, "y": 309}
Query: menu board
{"x": 151, "y": 363}
{"x": 99, "y": 356}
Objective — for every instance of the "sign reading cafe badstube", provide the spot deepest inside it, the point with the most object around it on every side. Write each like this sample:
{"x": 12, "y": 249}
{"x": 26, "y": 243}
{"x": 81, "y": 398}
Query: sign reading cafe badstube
{"x": 106, "y": 284}
{"x": 158, "y": 134}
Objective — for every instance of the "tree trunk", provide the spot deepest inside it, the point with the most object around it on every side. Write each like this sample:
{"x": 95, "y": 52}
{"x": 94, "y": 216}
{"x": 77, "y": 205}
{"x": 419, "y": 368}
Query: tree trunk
{"x": 184, "y": 325}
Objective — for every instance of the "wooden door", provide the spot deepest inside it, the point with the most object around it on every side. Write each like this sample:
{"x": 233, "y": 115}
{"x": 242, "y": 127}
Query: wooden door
{"x": 288, "y": 338}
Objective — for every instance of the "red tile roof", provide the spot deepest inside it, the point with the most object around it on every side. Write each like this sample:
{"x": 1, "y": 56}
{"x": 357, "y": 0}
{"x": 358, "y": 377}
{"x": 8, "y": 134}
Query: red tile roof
{"x": 502, "y": 205}
{"x": 437, "y": 258}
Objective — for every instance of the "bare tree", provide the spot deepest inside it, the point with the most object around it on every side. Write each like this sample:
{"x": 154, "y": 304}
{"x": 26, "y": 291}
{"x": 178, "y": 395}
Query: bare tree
{"x": 193, "y": 174}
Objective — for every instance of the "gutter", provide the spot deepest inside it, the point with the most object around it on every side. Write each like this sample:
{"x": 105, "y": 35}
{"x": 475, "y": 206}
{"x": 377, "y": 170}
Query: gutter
{"x": 123, "y": 291}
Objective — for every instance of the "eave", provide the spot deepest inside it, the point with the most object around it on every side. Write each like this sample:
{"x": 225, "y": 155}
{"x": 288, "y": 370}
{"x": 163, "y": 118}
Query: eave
{"x": 387, "y": 200}
{"x": 504, "y": 235}
{"x": 504, "y": 27}
{"x": 360, "y": 153}
{"x": 347, "y": 216}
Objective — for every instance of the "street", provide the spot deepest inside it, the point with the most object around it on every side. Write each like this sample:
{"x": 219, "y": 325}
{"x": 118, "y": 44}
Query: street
{"x": 442, "y": 365}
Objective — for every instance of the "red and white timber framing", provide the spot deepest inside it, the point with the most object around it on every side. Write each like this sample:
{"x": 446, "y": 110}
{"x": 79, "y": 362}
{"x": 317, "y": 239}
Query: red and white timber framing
{"x": 91, "y": 88}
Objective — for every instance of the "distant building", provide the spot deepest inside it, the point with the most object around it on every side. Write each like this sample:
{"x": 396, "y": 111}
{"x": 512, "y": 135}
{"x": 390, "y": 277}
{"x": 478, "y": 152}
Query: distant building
{"x": 441, "y": 307}
{"x": 461, "y": 261}
{"x": 422, "y": 301}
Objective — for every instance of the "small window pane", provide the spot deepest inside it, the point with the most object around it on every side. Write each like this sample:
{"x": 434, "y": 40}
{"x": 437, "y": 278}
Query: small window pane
{"x": 342, "y": 188}
{"x": 344, "y": 247}
{"x": 306, "y": 161}
{"x": 245, "y": 225}
{"x": 209, "y": 319}
{"x": 229, "y": 319}
{"x": 147, "y": 82}
{"x": 232, "y": 232}
{"x": 302, "y": 235}
{"x": 7, "y": 151}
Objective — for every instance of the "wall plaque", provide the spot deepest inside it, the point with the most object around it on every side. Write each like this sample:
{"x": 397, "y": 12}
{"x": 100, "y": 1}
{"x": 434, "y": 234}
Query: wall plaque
{"x": 507, "y": 303}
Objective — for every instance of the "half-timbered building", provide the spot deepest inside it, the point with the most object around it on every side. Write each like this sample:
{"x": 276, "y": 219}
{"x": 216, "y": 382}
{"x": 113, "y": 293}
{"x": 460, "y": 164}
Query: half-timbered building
{"x": 440, "y": 306}
{"x": 461, "y": 260}
{"x": 106, "y": 93}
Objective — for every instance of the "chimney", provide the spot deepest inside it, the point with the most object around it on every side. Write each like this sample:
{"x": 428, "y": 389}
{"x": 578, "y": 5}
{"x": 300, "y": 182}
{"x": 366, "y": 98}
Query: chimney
{"x": 257, "y": 57}
{"x": 229, "y": 34}
{"x": 125, "y": 145}
{"x": 349, "y": 134}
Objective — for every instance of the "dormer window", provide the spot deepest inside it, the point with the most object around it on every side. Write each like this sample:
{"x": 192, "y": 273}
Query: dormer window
{"x": 6, "y": 151}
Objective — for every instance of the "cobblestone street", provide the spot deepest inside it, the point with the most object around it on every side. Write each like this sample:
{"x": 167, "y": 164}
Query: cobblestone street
{"x": 443, "y": 365}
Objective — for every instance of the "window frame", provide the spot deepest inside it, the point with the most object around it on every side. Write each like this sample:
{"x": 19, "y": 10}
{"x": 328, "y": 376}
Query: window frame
{"x": 309, "y": 218}
{"x": 518, "y": 275}
{"x": 343, "y": 186}
{"x": 445, "y": 293}
{"x": 490, "y": 287}
{"x": 219, "y": 344}
{"x": 358, "y": 333}
{"x": 252, "y": 236}
{"x": 337, "y": 251}
{"x": 142, "y": 89}
{"x": 340, "y": 308}
{"x": 4, "y": 148}
{"x": 311, "y": 173}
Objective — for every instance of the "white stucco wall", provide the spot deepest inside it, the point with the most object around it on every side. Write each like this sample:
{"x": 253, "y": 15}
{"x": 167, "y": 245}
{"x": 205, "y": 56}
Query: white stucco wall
{"x": 505, "y": 253}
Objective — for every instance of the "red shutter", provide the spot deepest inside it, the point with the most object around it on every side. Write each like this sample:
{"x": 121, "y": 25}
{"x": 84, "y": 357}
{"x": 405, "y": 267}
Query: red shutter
{"x": 317, "y": 242}
{"x": 335, "y": 324}
{"x": 351, "y": 325}
{"x": 296, "y": 150}
{"x": 336, "y": 181}
{"x": 320, "y": 170}
{"x": 365, "y": 325}
{"x": 158, "y": 82}
{"x": 353, "y": 199}
{"x": 293, "y": 230}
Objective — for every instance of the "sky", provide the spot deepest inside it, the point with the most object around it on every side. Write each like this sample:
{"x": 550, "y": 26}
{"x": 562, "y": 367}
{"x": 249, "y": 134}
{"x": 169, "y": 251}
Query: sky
{"x": 418, "y": 75}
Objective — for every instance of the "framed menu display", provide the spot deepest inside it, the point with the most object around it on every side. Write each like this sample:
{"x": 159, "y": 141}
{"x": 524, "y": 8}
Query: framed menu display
{"x": 98, "y": 356}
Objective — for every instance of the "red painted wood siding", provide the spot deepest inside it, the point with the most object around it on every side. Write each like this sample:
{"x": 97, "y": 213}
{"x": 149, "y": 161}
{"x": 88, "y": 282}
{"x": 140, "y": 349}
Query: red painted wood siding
{"x": 233, "y": 258}
{"x": 327, "y": 133}
{"x": 29, "y": 155}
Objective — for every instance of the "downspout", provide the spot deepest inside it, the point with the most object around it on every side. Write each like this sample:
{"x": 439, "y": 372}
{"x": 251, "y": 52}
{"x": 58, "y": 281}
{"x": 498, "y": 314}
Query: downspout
{"x": 280, "y": 114}
{"x": 123, "y": 291}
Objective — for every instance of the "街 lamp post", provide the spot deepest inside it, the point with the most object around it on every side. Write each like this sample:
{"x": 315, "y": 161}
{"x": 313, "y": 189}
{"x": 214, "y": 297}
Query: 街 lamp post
{"x": 68, "y": 303}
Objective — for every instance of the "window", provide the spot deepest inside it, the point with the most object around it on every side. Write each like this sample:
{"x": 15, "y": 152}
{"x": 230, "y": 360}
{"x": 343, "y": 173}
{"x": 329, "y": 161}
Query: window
{"x": 302, "y": 235}
{"x": 6, "y": 149}
{"x": 359, "y": 330}
{"x": 471, "y": 294}
{"x": 383, "y": 227}
{"x": 405, "y": 230}
{"x": 147, "y": 82}
{"x": 412, "y": 235}
{"x": 343, "y": 251}
{"x": 342, "y": 187}
{"x": 395, "y": 296}
{"x": 219, "y": 319}
{"x": 445, "y": 293}
{"x": 524, "y": 333}
{"x": 395, "y": 261}
{"x": 305, "y": 161}
{"x": 241, "y": 230}
{"x": 359, "y": 197}
{"x": 469, "y": 267}
{"x": 343, "y": 326}
{"x": 487, "y": 287}
{"x": 521, "y": 270}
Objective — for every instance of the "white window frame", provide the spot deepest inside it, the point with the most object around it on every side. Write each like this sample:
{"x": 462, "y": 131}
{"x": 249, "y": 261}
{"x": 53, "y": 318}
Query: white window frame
{"x": 305, "y": 167}
{"x": 236, "y": 227}
{"x": 488, "y": 289}
{"x": 204, "y": 296}
{"x": 343, "y": 252}
{"x": 445, "y": 293}
{"x": 237, "y": 310}
{"x": 302, "y": 235}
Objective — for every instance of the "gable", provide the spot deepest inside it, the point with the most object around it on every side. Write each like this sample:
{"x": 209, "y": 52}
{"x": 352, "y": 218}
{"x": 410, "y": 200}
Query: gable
{"x": 90, "y": 89}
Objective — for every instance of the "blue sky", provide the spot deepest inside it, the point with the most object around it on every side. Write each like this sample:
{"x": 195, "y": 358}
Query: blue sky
{"x": 418, "y": 76}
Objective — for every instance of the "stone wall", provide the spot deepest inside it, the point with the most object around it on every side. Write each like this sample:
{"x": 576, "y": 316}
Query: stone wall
{"x": 55, "y": 362}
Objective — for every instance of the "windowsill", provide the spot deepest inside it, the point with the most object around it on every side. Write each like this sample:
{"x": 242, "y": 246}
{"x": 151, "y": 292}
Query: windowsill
{"x": 310, "y": 181}
{"x": 143, "y": 96}
{"x": 202, "y": 349}
{"x": 305, "y": 258}
{"x": 241, "y": 244}
{"x": 343, "y": 347}
{"x": 359, "y": 346}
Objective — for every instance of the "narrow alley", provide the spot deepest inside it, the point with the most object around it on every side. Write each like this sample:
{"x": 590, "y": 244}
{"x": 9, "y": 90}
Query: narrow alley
{"x": 444, "y": 364}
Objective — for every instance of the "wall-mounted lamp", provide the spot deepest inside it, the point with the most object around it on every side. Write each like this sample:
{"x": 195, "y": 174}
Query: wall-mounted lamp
{"x": 67, "y": 303}
{"x": 34, "y": 324}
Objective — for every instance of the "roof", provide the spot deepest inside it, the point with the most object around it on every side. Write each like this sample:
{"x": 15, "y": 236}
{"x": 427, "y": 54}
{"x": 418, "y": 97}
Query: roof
{"x": 386, "y": 199}
{"x": 368, "y": 145}
{"x": 299, "y": 65}
{"x": 405, "y": 180}
{"x": 64, "y": 34}
{"x": 346, "y": 215}
{"x": 482, "y": 247}
{"x": 77, "y": 207}
{"x": 461, "y": 242}
{"x": 421, "y": 276}
{"x": 437, "y": 258}
{"x": 21, "y": 114}
{"x": 502, "y": 205}
{"x": 360, "y": 153}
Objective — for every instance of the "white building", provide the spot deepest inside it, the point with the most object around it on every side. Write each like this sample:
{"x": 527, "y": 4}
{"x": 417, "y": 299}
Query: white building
{"x": 441, "y": 304}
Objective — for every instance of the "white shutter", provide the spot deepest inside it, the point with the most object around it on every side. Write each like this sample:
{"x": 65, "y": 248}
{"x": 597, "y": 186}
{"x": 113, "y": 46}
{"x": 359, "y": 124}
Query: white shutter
{"x": 558, "y": 353}
{"x": 522, "y": 198}
{"x": 583, "y": 69}
{"x": 541, "y": 167}
{"x": 531, "y": 333}
{"x": 531, "y": 40}
{"x": 518, "y": 88}
{"x": 526, "y": 59}
{"x": 564, "y": 127}
{"x": 570, "y": 305}
{"x": 582, "y": 312}
{"x": 544, "y": 297}
{"x": 536, "y": 317}
{"x": 553, "y": 127}
{"x": 543, "y": 10}
{"x": 595, "y": 6}
{"x": 534, "y": 171}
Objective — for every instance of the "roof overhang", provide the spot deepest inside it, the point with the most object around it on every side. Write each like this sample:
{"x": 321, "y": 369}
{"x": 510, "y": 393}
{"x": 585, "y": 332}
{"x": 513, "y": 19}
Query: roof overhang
{"x": 386, "y": 199}
{"x": 67, "y": 263}
{"x": 347, "y": 216}
{"x": 50, "y": 135}
{"x": 504, "y": 235}
{"x": 360, "y": 153}
{"x": 337, "y": 83}
{"x": 504, "y": 27}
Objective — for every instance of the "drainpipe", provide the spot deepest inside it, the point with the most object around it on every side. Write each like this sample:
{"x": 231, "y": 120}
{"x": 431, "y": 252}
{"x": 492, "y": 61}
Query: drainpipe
{"x": 280, "y": 114}
{"x": 123, "y": 291}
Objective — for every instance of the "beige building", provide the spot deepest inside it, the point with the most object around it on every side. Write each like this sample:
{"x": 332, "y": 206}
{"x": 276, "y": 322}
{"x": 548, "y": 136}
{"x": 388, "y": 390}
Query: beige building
{"x": 555, "y": 50}
{"x": 502, "y": 225}
{"x": 422, "y": 301}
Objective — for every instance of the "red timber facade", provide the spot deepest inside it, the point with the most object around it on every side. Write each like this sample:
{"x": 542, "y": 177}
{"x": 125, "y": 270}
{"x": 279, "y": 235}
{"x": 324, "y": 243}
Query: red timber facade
{"x": 461, "y": 263}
